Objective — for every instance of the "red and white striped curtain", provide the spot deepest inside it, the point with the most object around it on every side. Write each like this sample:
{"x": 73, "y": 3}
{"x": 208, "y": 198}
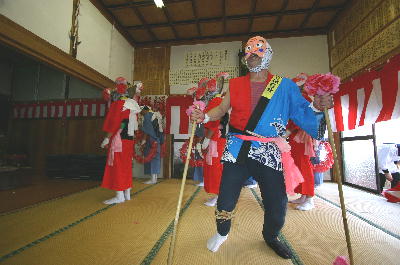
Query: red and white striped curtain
{"x": 43, "y": 110}
{"x": 371, "y": 97}
{"x": 177, "y": 119}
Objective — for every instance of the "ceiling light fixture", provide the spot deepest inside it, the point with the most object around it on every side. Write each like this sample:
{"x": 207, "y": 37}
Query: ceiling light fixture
{"x": 159, "y": 3}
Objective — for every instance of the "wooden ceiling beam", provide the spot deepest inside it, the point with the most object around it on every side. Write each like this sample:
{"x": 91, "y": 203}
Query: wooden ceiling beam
{"x": 223, "y": 18}
{"x": 241, "y": 36}
{"x": 251, "y": 18}
{"x": 141, "y": 3}
{"x": 166, "y": 13}
{"x": 314, "y": 6}
{"x": 196, "y": 16}
{"x": 282, "y": 13}
{"x": 235, "y": 17}
{"x": 144, "y": 23}
{"x": 113, "y": 20}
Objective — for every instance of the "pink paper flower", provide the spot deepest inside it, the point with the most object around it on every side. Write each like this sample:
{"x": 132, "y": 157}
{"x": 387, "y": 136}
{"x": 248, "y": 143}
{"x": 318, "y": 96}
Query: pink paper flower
{"x": 340, "y": 260}
{"x": 322, "y": 84}
{"x": 196, "y": 104}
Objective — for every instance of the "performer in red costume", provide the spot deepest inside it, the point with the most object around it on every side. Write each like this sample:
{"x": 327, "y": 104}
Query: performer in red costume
{"x": 302, "y": 149}
{"x": 213, "y": 142}
{"x": 120, "y": 124}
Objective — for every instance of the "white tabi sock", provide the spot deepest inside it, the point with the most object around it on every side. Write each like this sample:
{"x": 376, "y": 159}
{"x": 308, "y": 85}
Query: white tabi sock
{"x": 152, "y": 180}
{"x": 215, "y": 242}
{"x": 299, "y": 200}
{"x": 127, "y": 194}
{"x": 307, "y": 205}
{"x": 212, "y": 202}
{"x": 117, "y": 199}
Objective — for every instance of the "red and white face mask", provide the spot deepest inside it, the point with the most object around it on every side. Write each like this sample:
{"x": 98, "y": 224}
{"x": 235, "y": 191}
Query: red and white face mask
{"x": 259, "y": 46}
{"x": 256, "y": 45}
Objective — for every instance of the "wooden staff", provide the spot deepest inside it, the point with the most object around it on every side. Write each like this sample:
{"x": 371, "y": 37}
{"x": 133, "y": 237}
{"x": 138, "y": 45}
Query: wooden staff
{"x": 340, "y": 188}
{"x": 178, "y": 208}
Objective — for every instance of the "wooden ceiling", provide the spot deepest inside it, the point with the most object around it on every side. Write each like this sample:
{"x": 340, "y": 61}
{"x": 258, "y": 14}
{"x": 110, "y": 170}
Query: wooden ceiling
{"x": 182, "y": 21}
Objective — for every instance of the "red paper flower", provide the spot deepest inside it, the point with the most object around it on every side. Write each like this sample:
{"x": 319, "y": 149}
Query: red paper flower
{"x": 191, "y": 91}
{"x": 300, "y": 79}
{"x": 224, "y": 74}
{"x": 106, "y": 94}
{"x": 200, "y": 92}
{"x": 322, "y": 84}
{"x": 212, "y": 85}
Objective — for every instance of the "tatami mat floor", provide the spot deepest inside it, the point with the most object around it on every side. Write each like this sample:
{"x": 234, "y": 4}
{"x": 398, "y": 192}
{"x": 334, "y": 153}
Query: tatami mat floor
{"x": 79, "y": 229}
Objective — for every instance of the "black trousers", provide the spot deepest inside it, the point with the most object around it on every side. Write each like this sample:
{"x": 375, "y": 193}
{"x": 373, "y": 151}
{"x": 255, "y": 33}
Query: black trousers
{"x": 273, "y": 192}
{"x": 393, "y": 183}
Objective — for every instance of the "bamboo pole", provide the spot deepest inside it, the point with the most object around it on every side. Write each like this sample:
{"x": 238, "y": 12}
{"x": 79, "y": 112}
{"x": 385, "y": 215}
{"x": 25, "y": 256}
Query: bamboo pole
{"x": 178, "y": 208}
{"x": 340, "y": 187}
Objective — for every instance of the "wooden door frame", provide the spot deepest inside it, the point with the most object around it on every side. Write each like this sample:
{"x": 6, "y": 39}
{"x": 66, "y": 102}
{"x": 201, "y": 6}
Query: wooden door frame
{"x": 23, "y": 40}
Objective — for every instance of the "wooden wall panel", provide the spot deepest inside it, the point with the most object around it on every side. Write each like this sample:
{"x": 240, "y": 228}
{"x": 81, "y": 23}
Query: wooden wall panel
{"x": 152, "y": 68}
{"x": 84, "y": 136}
{"x": 38, "y": 138}
{"x": 366, "y": 35}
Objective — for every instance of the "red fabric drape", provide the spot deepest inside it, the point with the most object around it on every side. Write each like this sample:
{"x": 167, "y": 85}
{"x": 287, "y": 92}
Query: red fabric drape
{"x": 382, "y": 105}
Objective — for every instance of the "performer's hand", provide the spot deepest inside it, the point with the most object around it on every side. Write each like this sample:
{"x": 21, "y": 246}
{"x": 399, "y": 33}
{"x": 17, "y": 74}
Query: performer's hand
{"x": 197, "y": 116}
{"x": 206, "y": 141}
{"x": 323, "y": 101}
{"x": 105, "y": 142}
{"x": 389, "y": 176}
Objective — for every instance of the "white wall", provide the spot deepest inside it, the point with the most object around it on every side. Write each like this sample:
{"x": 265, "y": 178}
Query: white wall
{"x": 178, "y": 59}
{"x": 291, "y": 56}
{"x": 50, "y": 20}
{"x": 121, "y": 60}
{"x": 102, "y": 47}
{"x": 299, "y": 55}
{"x": 95, "y": 37}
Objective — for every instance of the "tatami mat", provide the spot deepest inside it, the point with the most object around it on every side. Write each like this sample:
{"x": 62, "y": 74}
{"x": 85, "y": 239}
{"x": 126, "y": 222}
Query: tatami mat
{"x": 27, "y": 225}
{"x": 245, "y": 244}
{"x": 138, "y": 231}
{"x": 370, "y": 207}
{"x": 123, "y": 234}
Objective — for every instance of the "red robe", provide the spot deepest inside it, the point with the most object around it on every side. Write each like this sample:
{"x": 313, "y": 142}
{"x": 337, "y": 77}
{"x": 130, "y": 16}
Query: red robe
{"x": 212, "y": 173}
{"x": 302, "y": 161}
{"x": 118, "y": 176}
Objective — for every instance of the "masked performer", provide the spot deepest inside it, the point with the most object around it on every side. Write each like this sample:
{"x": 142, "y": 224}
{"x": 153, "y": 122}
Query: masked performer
{"x": 213, "y": 143}
{"x": 302, "y": 149}
{"x": 154, "y": 138}
{"x": 262, "y": 104}
{"x": 120, "y": 124}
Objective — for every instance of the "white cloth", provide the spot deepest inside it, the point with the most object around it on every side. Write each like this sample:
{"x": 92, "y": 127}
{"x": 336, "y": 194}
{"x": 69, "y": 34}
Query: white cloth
{"x": 157, "y": 115}
{"x": 387, "y": 154}
{"x": 206, "y": 141}
{"x": 134, "y": 108}
{"x": 105, "y": 142}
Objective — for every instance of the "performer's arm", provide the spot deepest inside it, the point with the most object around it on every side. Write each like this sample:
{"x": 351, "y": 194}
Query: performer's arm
{"x": 219, "y": 111}
{"x": 213, "y": 114}
{"x": 301, "y": 113}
